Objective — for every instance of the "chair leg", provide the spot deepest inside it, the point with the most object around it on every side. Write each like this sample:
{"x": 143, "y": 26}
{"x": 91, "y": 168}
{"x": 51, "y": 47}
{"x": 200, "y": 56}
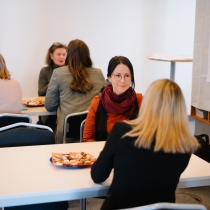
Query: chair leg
{"x": 83, "y": 204}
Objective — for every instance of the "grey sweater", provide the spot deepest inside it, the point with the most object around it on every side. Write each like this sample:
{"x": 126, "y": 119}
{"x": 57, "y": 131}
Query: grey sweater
{"x": 62, "y": 99}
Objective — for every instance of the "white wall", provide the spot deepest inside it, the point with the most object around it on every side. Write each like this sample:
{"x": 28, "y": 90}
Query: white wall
{"x": 133, "y": 28}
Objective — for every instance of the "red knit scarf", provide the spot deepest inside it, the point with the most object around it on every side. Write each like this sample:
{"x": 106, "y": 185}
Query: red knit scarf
{"x": 119, "y": 104}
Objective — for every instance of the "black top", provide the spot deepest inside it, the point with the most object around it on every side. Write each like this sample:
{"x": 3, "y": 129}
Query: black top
{"x": 101, "y": 121}
{"x": 44, "y": 78}
{"x": 141, "y": 176}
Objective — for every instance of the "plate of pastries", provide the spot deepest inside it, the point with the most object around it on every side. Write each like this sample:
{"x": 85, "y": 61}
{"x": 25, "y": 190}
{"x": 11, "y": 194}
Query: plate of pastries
{"x": 33, "y": 103}
{"x": 72, "y": 159}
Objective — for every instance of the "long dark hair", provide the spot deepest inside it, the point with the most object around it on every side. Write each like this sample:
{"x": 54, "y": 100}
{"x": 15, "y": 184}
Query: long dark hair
{"x": 78, "y": 60}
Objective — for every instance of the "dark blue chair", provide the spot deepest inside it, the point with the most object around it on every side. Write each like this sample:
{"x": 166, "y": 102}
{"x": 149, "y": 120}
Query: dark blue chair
{"x": 8, "y": 119}
{"x": 26, "y": 134}
{"x": 72, "y": 125}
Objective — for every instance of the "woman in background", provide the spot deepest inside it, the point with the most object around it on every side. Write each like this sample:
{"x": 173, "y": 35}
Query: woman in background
{"x": 72, "y": 87}
{"x": 55, "y": 58}
{"x": 148, "y": 154}
{"x": 11, "y": 93}
{"x": 118, "y": 101}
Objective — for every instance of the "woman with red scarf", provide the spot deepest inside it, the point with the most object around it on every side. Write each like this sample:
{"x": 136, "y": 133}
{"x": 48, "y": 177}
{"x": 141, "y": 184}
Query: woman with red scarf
{"x": 118, "y": 101}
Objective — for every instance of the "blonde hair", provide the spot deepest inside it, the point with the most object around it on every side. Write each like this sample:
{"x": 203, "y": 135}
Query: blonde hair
{"x": 162, "y": 120}
{"x": 4, "y": 73}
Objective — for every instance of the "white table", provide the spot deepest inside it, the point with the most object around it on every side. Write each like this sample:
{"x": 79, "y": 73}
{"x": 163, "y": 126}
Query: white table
{"x": 28, "y": 177}
{"x": 170, "y": 58}
{"x": 36, "y": 111}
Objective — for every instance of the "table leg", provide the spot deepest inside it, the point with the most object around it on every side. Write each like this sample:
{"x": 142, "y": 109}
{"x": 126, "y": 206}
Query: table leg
{"x": 172, "y": 72}
{"x": 83, "y": 204}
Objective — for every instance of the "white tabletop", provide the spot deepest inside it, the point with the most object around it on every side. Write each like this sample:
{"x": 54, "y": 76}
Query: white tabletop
{"x": 28, "y": 177}
{"x": 36, "y": 111}
{"x": 170, "y": 58}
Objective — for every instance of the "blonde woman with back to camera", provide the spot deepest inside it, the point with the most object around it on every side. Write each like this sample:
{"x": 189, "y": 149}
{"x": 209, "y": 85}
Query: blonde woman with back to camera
{"x": 72, "y": 87}
{"x": 11, "y": 93}
{"x": 148, "y": 154}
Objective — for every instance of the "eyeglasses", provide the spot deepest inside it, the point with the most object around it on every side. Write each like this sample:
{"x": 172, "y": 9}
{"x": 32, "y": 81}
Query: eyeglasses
{"x": 118, "y": 77}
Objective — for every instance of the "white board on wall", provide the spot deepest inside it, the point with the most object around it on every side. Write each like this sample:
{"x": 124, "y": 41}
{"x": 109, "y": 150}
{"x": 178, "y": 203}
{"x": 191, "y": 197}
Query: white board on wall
{"x": 201, "y": 64}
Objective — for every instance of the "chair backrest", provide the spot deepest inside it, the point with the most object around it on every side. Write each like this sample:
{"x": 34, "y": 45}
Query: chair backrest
{"x": 72, "y": 124}
{"x": 28, "y": 135}
{"x": 170, "y": 206}
{"x": 25, "y": 134}
{"x": 8, "y": 119}
{"x": 15, "y": 125}
{"x": 82, "y": 129}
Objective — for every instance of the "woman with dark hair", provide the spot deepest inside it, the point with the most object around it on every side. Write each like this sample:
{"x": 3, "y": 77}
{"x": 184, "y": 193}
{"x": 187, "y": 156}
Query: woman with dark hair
{"x": 72, "y": 87}
{"x": 118, "y": 101}
{"x": 55, "y": 58}
{"x": 147, "y": 154}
